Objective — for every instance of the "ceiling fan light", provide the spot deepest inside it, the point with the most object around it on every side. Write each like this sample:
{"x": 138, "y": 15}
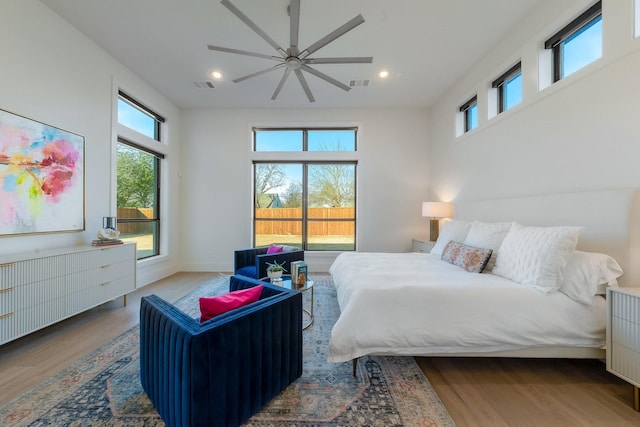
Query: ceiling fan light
{"x": 383, "y": 74}
{"x": 216, "y": 75}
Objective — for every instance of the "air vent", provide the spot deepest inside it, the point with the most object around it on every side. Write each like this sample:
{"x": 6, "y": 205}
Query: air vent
{"x": 204, "y": 85}
{"x": 354, "y": 83}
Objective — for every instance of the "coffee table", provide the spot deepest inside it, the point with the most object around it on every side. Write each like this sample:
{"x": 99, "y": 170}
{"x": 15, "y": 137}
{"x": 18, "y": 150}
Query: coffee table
{"x": 285, "y": 282}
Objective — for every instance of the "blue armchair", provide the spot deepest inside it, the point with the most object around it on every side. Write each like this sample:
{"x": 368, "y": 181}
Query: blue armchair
{"x": 253, "y": 262}
{"x": 220, "y": 372}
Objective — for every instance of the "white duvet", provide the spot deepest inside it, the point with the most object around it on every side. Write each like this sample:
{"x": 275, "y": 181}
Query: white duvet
{"x": 417, "y": 304}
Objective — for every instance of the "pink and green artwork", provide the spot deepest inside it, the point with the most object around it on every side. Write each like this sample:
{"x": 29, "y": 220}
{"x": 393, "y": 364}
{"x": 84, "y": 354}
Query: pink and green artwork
{"x": 41, "y": 177}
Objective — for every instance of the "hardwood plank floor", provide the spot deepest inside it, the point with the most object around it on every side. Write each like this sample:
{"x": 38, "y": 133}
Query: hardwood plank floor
{"x": 477, "y": 392}
{"x": 497, "y": 392}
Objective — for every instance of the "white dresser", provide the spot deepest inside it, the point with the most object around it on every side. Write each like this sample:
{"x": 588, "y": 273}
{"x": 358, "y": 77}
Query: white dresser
{"x": 40, "y": 288}
{"x": 623, "y": 336}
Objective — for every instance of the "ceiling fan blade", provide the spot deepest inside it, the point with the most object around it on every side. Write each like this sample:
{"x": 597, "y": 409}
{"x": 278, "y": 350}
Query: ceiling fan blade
{"x": 305, "y": 86}
{"x": 281, "y": 83}
{"x": 243, "y": 52}
{"x": 332, "y": 36}
{"x": 348, "y": 60}
{"x": 294, "y": 27}
{"x": 244, "y": 18}
{"x": 257, "y": 73}
{"x": 324, "y": 77}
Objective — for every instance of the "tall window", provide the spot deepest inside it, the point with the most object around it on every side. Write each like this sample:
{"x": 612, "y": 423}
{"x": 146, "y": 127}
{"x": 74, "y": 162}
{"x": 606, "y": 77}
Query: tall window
{"x": 309, "y": 203}
{"x": 138, "y": 178}
{"x": 470, "y": 111}
{"x": 509, "y": 86}
{"x": 577, "y": 44}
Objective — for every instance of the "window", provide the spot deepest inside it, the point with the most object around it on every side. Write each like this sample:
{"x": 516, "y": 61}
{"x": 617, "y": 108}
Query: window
{"x": 578, "y": 44}
{"x": 306, "y": 203}
{"x": 138, "y": 179}
{"x": 305, "y": 139}
{"x": 637, "y": 17}
{"x": 509, "y": 86}
{"x": 138, "y": 197}
{"x": 136, "y": 116}
{"x": 470, "y": 111}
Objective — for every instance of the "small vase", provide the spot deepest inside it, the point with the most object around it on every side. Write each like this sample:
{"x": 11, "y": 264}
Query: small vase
{"x": 274, "y": 274}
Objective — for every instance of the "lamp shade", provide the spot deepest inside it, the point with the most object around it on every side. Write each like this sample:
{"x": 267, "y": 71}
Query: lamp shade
{"x": 436, "y": 209}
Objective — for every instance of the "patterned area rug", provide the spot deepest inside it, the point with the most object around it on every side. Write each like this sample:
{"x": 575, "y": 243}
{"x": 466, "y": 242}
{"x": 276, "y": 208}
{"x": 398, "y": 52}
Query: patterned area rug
{"x": 103, "y": 389}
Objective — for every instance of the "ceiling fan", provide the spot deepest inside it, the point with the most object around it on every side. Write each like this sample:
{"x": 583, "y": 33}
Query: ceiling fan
{"x": 293, "y": 59}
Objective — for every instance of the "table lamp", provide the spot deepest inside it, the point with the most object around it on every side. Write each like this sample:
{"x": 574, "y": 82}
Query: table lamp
{"x": 434, "y": 211}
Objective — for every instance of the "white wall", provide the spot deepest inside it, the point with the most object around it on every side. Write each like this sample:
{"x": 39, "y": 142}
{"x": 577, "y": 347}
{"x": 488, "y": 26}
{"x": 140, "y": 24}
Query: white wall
{"x": 50, "y": 72}
{"x": 216, "y": 180}
{"x": 581, "y": 133}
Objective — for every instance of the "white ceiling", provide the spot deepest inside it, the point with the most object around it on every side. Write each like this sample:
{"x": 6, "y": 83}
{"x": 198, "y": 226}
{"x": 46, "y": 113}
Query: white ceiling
{"x": 425, "y": 44}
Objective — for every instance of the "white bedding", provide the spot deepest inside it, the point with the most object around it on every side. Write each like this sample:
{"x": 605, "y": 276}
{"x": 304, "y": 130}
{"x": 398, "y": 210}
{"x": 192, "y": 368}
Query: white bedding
{"x": 416, "y": 304}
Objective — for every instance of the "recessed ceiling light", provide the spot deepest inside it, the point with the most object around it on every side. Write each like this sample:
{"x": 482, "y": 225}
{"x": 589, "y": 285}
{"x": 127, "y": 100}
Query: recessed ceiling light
{"x": 383, "y": 74}
{"x": 217, "y": 75}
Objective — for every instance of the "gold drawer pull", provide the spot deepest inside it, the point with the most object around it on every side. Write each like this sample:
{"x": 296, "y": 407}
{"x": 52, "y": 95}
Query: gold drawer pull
{"x": 8, "y": 264}
{"x": 105, "y": 266}
{"x": 105, "y": 283}
{"x": 4, "y": 316}
{"x": 4, "y": 291}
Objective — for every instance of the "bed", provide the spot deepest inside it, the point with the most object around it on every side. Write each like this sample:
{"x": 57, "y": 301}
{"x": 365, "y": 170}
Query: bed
{"x": 417, "y": 304}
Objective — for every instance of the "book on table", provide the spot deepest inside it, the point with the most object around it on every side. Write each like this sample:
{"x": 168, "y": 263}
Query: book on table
{"x": 299, "y": 273}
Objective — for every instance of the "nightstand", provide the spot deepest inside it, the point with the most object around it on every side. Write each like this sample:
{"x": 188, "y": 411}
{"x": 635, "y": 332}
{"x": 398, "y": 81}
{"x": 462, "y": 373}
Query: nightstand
{"x": 421, "y": 246}
{"x": 623, "y": 337}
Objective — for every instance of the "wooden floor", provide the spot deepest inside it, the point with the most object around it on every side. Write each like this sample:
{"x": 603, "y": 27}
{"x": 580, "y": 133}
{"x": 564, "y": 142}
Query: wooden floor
{"x": 531, "y": 392}
{"x": 477, "y": 392}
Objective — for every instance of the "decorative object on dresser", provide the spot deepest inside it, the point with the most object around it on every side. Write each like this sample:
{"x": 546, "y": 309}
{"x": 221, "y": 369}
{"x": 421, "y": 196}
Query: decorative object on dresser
{"x": 109, "y": 222}
{"x": 623, "y": 337}
{"x": 434, "y": 211}
{"x": 42, "y": 171}
{"x": 39, "y": 289}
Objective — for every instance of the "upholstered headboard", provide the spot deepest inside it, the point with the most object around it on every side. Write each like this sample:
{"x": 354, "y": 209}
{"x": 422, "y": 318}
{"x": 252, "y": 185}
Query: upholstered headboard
{"x": 611, "y": 219}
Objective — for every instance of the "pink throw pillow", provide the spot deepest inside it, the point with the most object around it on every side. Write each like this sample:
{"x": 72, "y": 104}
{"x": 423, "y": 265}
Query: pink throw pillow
{"x": 274, "y": 249}
{"x": 213, "y": 306}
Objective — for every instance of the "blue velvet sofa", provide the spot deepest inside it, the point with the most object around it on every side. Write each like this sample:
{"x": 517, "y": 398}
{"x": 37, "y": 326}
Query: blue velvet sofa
{"x": 222, "y": 371}
{"x": 252, "y": 262}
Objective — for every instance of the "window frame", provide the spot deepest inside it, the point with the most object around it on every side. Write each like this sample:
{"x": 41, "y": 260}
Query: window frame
{"x": 502, "y": 81}
{"x": 465, "y": 110}
{"x": 556, "y": 41}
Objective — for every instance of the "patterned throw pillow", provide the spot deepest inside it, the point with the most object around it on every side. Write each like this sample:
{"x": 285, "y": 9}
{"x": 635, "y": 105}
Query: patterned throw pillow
{"x": 472, "y": 259}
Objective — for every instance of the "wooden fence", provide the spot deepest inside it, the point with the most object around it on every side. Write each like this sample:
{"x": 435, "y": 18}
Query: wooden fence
{"x": 322, "y": 221}
{"x": 135, "y": 213}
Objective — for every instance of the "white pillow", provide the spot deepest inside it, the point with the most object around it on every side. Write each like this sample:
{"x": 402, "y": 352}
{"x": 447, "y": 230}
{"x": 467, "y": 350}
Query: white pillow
{"x": 586, "y": 272}
{"x": 455, "y": 230}
{"x": 488, "y": 235}
{"x": 536, "y": 256}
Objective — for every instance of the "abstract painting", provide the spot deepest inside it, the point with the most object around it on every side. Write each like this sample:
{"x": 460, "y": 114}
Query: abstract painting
{"x": 41, "y": 177}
